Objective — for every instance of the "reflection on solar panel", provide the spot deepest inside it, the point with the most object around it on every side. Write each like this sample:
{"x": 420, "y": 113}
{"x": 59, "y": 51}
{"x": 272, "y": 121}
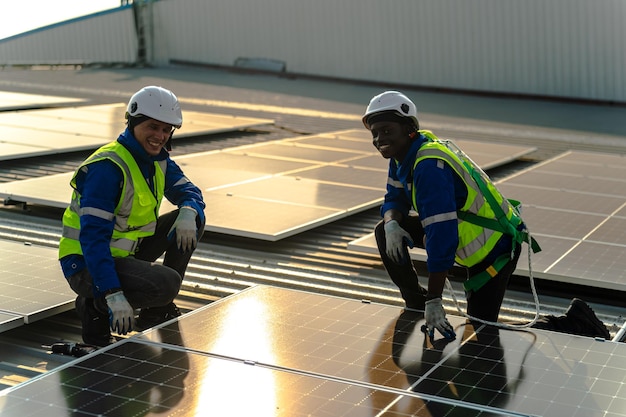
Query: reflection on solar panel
{"x": 268, "y": 351}
{"x": 575, "y": 206}
{"x": 276, "y": 189}
{"x": 49, "y": 131}
{"x": 17, "y": 101}
{"x": 33, "y": 286}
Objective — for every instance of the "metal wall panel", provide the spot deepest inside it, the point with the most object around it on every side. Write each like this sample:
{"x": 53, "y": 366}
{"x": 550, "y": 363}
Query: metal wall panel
{"x": 107, "y": 37}
{"x": 559, "y": 48}
{"x": 555, "y": 48}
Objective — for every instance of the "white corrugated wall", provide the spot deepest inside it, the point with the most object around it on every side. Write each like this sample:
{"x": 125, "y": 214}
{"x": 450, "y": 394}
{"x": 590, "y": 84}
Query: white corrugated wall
{"x": 561, "y": 48}
{"x": 556, "y": 48}
{"x": 101, "y": 38}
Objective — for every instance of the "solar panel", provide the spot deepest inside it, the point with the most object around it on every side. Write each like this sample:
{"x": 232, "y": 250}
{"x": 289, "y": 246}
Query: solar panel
{"x": 159, "y": 380}
{"x": 51, "y": 190}
{"x": 292, "y": 184}
{"x": 49, "y": 131}
{"x": 33, "y": 286}
{"x": 272, "y": 351}
{"x": 15, "y": 101}
{"x": 10, "y": 321}
{"x": 589, "y": 263}
{"x": 561, "y": 199}
{"x": 261, "y": 219}
{"x": 16, "y": 151}
{"x": 556, "y": 222}
{"x": 595, "y": 186}
{"x": 488, "y": 155}
{"x": 575, "y": 206}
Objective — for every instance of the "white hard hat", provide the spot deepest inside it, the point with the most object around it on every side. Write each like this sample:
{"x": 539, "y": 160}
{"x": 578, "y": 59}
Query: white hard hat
{"x": 156, "y": 103}
{"x": 393, "y": 102}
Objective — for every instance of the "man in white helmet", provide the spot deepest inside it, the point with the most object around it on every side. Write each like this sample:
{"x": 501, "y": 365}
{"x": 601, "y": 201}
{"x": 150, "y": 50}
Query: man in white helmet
{"x": 455, "y": 223}
{"x": 112, "y": 231}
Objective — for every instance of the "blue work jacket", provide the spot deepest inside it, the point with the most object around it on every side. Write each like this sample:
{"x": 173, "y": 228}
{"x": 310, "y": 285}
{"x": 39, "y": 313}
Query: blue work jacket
{"x": 100, "y": 188}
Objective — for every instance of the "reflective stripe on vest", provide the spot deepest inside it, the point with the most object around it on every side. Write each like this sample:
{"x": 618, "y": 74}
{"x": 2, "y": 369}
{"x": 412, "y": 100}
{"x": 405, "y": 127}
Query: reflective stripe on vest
{"x": 394, "y": 183}
{"x": 135, "y": 213}
{"x": 475, "y": 242}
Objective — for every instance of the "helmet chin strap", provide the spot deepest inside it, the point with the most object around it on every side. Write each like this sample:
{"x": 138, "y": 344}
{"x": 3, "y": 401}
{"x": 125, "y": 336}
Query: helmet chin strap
{"x": 168, "y": 144}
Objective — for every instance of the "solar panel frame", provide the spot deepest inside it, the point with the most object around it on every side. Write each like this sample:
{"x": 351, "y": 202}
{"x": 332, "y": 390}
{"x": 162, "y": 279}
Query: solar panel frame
{"x": 308, "y": 353}
{"x": 52, "y": 131}
{"x": 10, "y": 321}
{"x": 33, "y": 285}
{"x": 51, "y": 191}
{"x": 93, "y": 387}
{"x": 10, "y": 100}
{"x": 293, "y": 184}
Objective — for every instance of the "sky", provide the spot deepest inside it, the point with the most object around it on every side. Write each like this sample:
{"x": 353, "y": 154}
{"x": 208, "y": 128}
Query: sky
{"x": 24, "y": 15}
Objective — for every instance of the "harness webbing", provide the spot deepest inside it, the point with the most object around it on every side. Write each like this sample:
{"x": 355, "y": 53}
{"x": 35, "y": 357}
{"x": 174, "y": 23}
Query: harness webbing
{"x": 501, "y": 224}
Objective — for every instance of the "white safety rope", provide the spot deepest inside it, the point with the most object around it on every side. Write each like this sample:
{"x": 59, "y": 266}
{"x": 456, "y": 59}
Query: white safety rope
{"x": 462, "y": 155}
{"x": 505, "y": 325}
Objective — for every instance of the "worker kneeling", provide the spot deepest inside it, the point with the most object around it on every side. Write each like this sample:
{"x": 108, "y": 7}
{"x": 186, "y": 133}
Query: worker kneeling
{"x": 112, "y": 231}
{"x": 438, "y": 199}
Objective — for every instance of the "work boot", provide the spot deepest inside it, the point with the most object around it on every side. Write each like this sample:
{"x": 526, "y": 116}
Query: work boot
{"x": 152, "y": 316}
{"x": 586, "y": 318}
{"x": 95, "y": 324}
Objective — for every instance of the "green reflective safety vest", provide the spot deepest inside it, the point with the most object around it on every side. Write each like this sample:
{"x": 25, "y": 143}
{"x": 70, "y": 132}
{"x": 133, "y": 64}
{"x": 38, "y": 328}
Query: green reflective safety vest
{"x": 485, "y": 215}
{"x": 136, "y": 212}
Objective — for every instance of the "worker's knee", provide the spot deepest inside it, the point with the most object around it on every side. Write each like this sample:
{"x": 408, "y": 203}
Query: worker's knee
{"x": 171, "y": 282}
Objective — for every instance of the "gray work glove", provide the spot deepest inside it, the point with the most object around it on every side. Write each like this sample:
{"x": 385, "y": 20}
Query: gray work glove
{"x": 121, "y": 313}
{"x": 396, "y": 237}
{"x": 185, "y": 228}
{"x": 436, "y": 319}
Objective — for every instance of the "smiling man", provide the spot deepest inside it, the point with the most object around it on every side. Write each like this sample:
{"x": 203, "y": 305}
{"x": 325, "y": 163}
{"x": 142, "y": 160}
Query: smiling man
{"x": 112, "y": 231}
{"x": 439, "y": 200}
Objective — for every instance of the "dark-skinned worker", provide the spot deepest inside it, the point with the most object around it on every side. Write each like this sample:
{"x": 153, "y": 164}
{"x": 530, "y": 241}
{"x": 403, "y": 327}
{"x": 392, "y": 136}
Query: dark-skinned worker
{"x": 112, "y": 230}
{"x": 437, "y": 200}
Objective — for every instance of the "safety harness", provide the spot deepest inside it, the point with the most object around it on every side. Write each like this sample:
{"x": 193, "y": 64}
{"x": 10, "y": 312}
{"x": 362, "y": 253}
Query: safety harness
{"x": 513, "y": 226}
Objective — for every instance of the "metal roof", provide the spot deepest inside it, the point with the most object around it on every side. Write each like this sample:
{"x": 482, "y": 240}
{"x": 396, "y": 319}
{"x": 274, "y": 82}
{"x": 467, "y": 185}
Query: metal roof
{"x": 317, "y": 260}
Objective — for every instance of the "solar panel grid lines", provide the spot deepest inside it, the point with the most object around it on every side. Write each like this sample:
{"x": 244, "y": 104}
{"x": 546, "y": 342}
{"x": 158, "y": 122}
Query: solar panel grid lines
{"x": 33, "y": 286}
{"x": 296, "y": 353}
{"x": 292, "y": 393}
{"x": 341, "y": 173}
{"x": 579, "y": 196}
{"x": 294, "y": 184}
{"x": 574, "y": 205}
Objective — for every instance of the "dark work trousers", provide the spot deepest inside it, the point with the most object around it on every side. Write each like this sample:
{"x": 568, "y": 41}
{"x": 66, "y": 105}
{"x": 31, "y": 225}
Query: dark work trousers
{"x": 144, "y": 282}
{"x": 404, "y": 274}
{"x": 484, "y": 303}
